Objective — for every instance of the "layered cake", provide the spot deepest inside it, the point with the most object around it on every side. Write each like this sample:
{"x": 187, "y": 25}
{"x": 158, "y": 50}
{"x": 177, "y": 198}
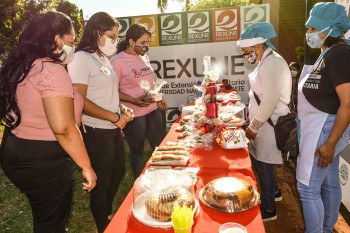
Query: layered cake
{"x": 229, "y": 194}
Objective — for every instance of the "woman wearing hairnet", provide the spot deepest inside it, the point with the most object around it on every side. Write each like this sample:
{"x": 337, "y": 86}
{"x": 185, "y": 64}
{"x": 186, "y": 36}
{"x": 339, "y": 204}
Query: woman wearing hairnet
{"x": 270, "y": 91}
{"x": 324, "y": 114}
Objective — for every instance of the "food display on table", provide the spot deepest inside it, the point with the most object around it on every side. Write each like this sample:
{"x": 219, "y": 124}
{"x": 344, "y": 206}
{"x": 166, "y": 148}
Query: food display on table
{"x": 188, "y": 110}
{"x": 156, "y": 192}
{"x": 230, "y": 138}
{"x": 163, "y": 178}
{"x": 160, "y": 202}
{"x": 229, "y": 194}
{"x": 154, "y": 168}
{"x": 225, "y": 98}
{"x": 170, "y": 155}
{"x": 191, "y": 171}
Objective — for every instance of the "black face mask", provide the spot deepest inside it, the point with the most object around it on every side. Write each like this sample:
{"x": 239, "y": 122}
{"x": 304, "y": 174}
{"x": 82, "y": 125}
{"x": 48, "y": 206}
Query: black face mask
{"x": 140, "y": 50}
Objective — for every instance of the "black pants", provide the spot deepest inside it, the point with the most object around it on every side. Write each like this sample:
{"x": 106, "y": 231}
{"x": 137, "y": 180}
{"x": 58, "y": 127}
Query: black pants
{"x": 150, "y": 126}
{"x": 107, "y": 154}
{"x": 42, "y": 170}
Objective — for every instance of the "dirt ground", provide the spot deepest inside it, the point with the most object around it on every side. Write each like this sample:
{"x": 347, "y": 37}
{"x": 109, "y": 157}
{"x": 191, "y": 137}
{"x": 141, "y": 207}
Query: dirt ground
{"x": 289, "y": 213}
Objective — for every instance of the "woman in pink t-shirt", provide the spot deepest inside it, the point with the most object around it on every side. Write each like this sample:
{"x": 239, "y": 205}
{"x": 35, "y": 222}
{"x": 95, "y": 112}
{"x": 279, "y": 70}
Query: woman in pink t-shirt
{"x": 41, "y": 108}
{"x": 133, "y": 67}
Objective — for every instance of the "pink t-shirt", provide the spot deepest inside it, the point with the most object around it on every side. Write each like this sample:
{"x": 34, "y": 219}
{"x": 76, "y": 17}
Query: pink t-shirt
{"x": 131, "y": 69}
{"x": 45, "y": 79}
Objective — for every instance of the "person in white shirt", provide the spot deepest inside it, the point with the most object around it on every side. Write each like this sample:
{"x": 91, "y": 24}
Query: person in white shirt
{"x": 103, "y": 116}
{"x": 270, "y": 91}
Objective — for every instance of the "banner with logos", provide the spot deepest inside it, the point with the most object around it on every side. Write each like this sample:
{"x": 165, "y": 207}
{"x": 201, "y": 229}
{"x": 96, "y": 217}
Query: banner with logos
{"x": 181, "y": 40}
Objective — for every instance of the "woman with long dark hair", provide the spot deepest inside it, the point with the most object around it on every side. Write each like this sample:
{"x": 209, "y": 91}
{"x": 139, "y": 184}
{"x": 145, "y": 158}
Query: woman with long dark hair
{"x": 41, "y": 108}
{"x": 103, "y": 117}
{"x": 132, "y": 66}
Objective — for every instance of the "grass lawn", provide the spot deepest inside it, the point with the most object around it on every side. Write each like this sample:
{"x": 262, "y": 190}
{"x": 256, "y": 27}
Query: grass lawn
{"x": 15, "y": 212}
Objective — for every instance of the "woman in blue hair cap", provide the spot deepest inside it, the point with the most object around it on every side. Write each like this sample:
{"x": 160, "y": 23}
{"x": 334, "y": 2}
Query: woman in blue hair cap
{"x": 270, "y": 91}
{"x": 324, "y": 114}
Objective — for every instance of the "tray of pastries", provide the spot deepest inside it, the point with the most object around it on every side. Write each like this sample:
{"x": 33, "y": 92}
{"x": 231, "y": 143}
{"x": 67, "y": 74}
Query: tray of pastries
{"x": 154, "y": 207}
{"x": 229, "y": 194}
{"x": 170, "y": 155}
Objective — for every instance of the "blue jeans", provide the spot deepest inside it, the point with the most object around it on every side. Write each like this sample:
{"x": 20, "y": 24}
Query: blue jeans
{"x": 150, "y": 126}
{"x": 321, "y": 199}
{"x": 267, "y": 182}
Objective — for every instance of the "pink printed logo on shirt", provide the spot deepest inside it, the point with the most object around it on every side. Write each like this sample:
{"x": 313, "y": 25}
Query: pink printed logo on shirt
{"x": 140, "y": 73}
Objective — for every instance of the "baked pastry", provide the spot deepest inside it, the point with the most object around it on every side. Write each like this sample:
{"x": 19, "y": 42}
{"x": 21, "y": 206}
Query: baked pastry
{"x": 156, "y": 158}
{"x": 170, "y": 148}
{"x": 160, "y": 203}
{"x": 182, "y": 135}
{"x": 174, "y": 152}
{"x": 230, "y": 194}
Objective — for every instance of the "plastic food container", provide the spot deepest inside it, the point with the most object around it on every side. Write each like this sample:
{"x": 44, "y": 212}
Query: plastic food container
{"x": 229, "y": 194}
{"x": 232, "y": 227}
{"x": 155, "y": 194}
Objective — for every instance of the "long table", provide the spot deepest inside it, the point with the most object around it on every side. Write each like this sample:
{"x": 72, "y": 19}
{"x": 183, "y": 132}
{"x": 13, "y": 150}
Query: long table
{"x": 213, "y": 163}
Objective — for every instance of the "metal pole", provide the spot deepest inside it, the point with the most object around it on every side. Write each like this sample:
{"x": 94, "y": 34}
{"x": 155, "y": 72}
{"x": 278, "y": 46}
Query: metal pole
{"x": 306, "y": 47}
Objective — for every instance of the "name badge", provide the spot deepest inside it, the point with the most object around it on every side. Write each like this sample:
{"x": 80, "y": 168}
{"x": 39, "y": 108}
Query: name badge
{"x": 106, "y": 71}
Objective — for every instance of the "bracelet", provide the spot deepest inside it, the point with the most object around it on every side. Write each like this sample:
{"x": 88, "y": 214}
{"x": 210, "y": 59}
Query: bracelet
{"x": 117, "y": 119}
{"x": 253, "y": 130}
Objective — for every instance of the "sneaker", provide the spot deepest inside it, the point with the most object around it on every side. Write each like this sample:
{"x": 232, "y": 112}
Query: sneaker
{"x": 268, "y": 216}
{"x": 278, "y": 195}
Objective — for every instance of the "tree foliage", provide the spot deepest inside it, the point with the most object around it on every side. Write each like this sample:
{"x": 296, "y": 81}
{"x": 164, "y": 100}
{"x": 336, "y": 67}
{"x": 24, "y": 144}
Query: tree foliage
{"x": 210, "y": 4}
{"x": 203, "y": 4}
{"x": 163, "y": 4}
{"x": 15, "y": 15}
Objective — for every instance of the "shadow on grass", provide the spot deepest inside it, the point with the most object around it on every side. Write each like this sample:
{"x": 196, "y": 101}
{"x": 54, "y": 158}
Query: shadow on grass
{"x": 15, "y": 212}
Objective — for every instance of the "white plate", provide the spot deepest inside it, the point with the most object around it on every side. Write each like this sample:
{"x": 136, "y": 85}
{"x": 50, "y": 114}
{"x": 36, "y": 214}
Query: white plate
{"x": 139, "y": 211}
{"x": 181, "y": 162}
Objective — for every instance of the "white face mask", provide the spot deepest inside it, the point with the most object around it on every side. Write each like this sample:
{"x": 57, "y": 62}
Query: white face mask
{"x": 294, "y": 73}
{"x": 251, "y": 56}
{"x": 68, "y": 53}
{"x": 109, "y": 48}
{"x": 313, "y": 38}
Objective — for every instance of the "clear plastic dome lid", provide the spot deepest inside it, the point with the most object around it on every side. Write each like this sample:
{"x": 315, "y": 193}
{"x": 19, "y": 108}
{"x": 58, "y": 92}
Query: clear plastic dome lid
{"x": 163, "y": 178}
{"x": 156, "y": 193}
{"x": 154, "y": 207}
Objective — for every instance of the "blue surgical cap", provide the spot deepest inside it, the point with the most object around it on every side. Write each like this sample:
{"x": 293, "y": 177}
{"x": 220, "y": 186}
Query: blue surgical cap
{"x": 329, "y": 15}
{"x": 257, "y": 33}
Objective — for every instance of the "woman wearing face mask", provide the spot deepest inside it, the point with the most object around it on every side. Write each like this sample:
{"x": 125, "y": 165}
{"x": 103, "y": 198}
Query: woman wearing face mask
{"x": 295, "y": 69}
{"x": 324, "y": 114}
{"x": 41, "y": 108}
{"x": 133, "y": 67}
{"x": 269, "y": 96}
{"x": 103, "y": 116}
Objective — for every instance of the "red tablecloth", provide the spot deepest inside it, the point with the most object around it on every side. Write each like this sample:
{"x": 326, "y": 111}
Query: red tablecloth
{"x": 214, "y": 163}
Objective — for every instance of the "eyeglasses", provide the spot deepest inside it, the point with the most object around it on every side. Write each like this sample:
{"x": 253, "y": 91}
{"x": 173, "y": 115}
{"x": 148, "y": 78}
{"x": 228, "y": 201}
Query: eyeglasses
{"x": 113, "y": 38}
